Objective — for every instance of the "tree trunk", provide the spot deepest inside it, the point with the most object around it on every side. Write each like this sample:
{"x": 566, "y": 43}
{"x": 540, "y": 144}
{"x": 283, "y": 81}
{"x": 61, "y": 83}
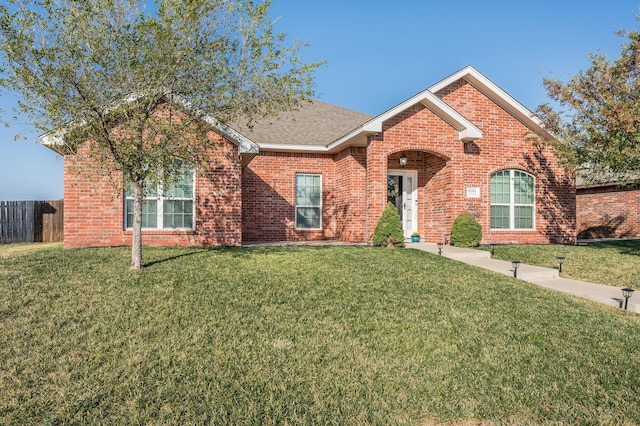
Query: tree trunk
{"x": 136, "y": 242}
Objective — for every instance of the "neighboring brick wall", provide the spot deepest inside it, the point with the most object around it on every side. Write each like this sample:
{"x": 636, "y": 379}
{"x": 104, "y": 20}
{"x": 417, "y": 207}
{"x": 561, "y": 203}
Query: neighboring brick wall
{"x": 608, "y": 211}
{"x": 269, "y": 197}
{"x": 94, "y": 211}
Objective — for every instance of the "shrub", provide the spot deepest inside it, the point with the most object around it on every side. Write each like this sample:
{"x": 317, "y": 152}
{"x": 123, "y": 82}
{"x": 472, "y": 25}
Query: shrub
{"x": 466, "y": 231}
{"x": 388, "y": 232}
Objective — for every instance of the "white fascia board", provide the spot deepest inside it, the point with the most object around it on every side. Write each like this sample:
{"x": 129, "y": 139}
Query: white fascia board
{"x": 467, "y": 130}
{"x": 495, "y": 93}
{"x": 281, "y": 147}
{"x": 52, "y": 139}
{"x": 245, "y": 145}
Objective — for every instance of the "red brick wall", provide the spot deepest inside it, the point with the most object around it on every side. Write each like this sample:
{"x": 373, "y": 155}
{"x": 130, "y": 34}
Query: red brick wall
{"x": 257, "y": 203}
{"x": 608, "y": 211}
{"x": 355, "y": 185}
{"x": 508, "y": 144}
{"x": 429, "y": 141}
{"x": 94, "y": 210}
{"x": 351, "y": 184}
{"x": 446, "y": 168}
{"x": 269, "y": 197}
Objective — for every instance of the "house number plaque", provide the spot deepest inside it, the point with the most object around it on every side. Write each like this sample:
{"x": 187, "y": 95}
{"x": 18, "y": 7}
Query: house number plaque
{"x": 473, "y": 192}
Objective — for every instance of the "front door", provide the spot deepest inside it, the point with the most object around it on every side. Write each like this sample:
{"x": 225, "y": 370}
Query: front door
{"x": 402, "y": 192}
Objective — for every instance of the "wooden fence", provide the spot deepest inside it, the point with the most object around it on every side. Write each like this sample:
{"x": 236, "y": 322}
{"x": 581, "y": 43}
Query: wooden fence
{"x": 31, "y": 221}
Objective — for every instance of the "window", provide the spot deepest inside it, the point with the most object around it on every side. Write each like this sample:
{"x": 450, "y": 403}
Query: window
{"x": 512, "y": 200}
{"x": 166, "y": 208}
{"x": 308, "y": 201}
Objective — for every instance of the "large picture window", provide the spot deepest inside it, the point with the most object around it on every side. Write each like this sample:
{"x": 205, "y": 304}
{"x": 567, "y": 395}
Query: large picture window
{"x": 166, "y": 208}
{"x": 512, "y": 200}
{"x": 308, "y": 201}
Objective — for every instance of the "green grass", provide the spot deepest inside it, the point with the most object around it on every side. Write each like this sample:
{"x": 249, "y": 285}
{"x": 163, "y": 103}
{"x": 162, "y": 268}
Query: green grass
{"x": 614, "y": 263}
{"x": 342, "y": 335}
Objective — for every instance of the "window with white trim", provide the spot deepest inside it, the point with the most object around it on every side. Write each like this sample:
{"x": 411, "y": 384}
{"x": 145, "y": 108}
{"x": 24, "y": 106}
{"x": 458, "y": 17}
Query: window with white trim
{"x": 166, "y": 208}
{"x": 308, "y": 201}
{"x": 512, "y": 200}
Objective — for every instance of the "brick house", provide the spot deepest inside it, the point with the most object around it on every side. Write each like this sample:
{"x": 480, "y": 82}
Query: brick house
{"x": 607, "y": 209}
{"x": 326, "y": 173}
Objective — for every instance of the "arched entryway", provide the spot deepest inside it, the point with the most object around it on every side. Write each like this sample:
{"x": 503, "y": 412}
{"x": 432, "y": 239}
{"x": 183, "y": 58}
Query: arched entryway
{"x": 416, "y": 185}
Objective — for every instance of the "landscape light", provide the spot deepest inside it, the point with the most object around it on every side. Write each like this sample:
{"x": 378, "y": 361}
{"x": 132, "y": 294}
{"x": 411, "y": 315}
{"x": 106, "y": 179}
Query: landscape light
{"x": 515, "y": 264}
{"x": 626, "y": 293}
{"x": 440, "y": 245}
{"x": 560, "y": 261}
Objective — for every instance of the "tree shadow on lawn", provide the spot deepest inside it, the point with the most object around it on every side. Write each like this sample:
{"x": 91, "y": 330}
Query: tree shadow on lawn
{"x": 628, "y": 247}
{"x": 242, "y": 252}
{"x": 171, "y": 257}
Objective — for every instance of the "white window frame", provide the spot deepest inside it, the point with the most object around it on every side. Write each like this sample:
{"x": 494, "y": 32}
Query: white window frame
{"x": 512, "y": 204}
{"x": 319, "y": 206}
{"x": 160, "y": 198}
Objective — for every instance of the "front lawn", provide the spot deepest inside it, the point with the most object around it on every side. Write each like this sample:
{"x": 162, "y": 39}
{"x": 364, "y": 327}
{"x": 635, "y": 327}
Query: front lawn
{"x": 615, "y": 263}
{"x": 342, "y": 335}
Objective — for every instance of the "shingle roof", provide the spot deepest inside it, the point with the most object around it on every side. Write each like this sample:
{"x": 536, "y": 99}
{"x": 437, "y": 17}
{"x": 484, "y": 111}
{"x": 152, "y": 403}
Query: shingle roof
{"x": 585, "y": 179}
{"x": 315, "y": 123}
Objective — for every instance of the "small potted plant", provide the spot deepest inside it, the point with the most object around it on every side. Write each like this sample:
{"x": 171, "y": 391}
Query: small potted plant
{"x": 415, "y": 237}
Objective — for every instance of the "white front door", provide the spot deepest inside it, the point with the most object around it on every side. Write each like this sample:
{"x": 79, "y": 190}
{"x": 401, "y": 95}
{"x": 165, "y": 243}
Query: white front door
{"x": 402, "y": 191}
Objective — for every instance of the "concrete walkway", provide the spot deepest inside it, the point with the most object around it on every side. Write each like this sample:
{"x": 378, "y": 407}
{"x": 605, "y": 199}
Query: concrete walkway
{"x": 544, "y": 277}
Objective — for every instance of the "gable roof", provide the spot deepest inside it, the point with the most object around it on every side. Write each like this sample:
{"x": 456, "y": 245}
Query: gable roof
{"x": 324, "y": 128}
{"x": 496, "y": 94}
{"x": 54, "y": 140}
{"x": 313, "y": 125}
{"x": 317, "y": 128}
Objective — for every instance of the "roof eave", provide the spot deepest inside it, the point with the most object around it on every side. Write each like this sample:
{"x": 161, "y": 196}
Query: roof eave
{"x": 54, "y": 140}
{"x": 467, "y": 130}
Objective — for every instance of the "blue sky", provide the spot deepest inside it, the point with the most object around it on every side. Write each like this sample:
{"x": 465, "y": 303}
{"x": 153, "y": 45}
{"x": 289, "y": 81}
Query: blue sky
{"x": 380, "y": 53}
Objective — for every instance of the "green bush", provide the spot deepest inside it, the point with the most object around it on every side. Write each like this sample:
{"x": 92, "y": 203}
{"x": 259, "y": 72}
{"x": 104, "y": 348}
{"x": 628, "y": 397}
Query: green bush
{"x": 466, "y": 231}
{"x": 388, "y": 232}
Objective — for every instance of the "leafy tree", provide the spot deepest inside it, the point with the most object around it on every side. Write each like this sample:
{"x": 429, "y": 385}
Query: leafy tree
{"x": 388, "y": 231}
{"x": 100, "y": 70}
{"x": 597, "y": 120}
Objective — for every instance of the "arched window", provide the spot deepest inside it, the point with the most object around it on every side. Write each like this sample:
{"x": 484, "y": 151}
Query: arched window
{"x": 512, "y": 200}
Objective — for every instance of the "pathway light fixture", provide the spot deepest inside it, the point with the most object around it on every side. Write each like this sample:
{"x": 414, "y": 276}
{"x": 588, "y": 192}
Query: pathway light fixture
{"x": 516, "y": 265}
{"x": 560, "y": 262}
{"x": 440, "y": 245}
{"x": 492, "y": 246}
{"x": 626, "y": 293}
